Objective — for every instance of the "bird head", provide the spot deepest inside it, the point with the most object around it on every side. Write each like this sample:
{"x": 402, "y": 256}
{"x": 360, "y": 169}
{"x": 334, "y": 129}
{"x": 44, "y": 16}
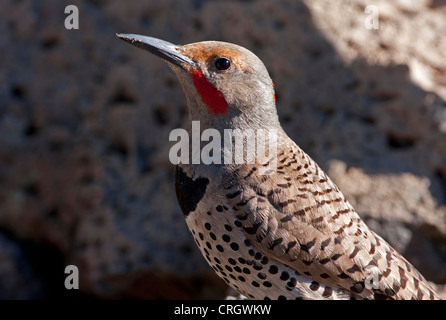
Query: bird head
{"x": 226, "y": 85}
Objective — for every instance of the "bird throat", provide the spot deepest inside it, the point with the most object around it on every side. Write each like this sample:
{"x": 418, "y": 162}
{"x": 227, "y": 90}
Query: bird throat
{"x": 210, "y": 96}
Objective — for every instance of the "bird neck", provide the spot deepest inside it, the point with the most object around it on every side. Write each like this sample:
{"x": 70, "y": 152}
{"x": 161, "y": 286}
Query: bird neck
{"x": 231, "y": 139}
{"x": 265, "y": 118}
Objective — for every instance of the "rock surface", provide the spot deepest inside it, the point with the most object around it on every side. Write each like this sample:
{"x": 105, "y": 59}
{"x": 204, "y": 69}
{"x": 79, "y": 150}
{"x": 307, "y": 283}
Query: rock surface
{"x": 85, "y": 118}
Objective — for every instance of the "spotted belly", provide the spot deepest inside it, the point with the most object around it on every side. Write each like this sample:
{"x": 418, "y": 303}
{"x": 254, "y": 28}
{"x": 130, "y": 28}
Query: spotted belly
{"x": 233, "y": 257}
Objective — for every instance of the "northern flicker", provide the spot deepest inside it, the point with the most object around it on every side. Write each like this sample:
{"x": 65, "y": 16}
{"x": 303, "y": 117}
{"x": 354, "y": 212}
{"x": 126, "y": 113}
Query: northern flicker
{"x": 288, "y": 233}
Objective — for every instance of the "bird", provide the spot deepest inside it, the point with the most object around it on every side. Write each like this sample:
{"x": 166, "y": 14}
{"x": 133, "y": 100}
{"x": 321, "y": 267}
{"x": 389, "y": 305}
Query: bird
{"x": 274, "y": 227}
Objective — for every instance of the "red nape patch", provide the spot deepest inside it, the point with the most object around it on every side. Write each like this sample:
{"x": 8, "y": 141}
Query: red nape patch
{"x": 272, "y": 83}
{"x": 209, "y": 94}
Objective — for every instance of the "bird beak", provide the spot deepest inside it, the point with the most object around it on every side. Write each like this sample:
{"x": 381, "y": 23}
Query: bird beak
{"x": 163, "y": 49}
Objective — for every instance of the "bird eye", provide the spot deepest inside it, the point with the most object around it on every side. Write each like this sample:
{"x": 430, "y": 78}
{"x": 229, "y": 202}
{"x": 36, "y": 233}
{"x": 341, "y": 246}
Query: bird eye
{"x": 222, "y": 64}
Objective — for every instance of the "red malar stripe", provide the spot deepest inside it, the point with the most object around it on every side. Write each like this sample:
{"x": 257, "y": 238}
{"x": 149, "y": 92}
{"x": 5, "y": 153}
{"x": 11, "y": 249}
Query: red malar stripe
{"x": 210, "y": 96}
